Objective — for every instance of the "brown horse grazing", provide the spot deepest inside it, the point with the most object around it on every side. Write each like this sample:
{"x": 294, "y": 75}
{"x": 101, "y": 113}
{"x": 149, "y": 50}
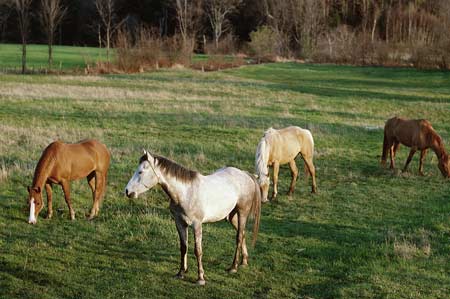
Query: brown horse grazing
{"x": 418, "y": 134}
{"x": 61, "y": 163}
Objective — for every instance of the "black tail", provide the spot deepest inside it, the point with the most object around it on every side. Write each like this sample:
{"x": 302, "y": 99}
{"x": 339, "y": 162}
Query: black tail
{"x": 385, "y": 149}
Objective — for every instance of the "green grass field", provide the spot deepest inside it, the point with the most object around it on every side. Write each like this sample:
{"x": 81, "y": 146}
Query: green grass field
{"x": 368, "y": 233}
{"x": 64, "y": 57}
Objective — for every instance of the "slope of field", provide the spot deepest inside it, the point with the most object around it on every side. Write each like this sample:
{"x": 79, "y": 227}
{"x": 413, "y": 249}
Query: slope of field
{"x": 368, "y": 233}
{"x": 64, "y": 57}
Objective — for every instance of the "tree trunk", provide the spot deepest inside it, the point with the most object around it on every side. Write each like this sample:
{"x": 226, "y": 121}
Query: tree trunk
{"x": 24, "y": 56}
{"x": 108, "y": 30}
{"x": 374, "y": 27}
{"x": 50, "y": 53}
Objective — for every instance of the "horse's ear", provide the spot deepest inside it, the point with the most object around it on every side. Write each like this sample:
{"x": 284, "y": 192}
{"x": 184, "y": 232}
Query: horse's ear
{"x": 256, "y": 176}
{"x": 145, "y": 152}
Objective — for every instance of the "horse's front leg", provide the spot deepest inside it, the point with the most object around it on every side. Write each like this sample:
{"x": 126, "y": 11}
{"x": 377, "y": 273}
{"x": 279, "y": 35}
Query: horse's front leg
{"x": 276, "y": 169}
{"x": 422, "y": 158}
{"x": 198, "y": 252}
{"x": 183, "y": 234}
{"x": 408, "y": 160}
{"x": 48, "y": 189}
{"x": 66, "y": 190}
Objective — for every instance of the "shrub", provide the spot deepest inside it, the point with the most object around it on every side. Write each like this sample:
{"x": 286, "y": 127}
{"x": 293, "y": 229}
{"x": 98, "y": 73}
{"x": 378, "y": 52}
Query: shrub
{"x": 264, "y": 44}
{"x": 226, "y": 46}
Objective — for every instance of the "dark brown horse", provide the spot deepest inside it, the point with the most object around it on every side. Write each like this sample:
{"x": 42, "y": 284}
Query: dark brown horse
{"x": 61, "y": 163}
{"x": 418, "y": 134}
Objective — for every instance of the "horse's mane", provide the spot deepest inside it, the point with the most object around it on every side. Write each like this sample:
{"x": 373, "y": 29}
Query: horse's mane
{"x": 262, "y": 154}
{"x": 42, "y": 168}
{"x": 434, "y": 139}
{"x": 174, "y": 169}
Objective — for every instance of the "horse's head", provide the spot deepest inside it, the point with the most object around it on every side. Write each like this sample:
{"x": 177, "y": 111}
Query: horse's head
{"x": 264, "y": 183}
{"x": 444, "y": 166}
{"x": 35, "y": 203}
{"x": 144, "y": 177}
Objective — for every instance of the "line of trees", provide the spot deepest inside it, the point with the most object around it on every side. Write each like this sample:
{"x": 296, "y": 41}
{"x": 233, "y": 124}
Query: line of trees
{"x": 355, "y": 31}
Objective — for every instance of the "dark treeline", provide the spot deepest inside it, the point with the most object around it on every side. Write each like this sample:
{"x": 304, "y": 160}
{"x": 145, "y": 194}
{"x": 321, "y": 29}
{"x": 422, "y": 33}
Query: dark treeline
{"x": 354, "y": 31}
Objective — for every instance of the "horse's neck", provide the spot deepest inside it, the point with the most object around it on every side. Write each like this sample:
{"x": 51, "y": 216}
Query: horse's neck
{"x": 175, "y": 189}
{"x": 438, "y": 147}
{"x": 439, "y": 150}
{"x": 42, "y": 172}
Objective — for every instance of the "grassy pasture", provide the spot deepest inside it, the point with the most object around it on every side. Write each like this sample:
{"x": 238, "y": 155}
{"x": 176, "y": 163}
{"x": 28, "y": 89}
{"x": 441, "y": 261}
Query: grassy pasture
{"x": 368, "y": 233}
{"x": 64, "y": 57}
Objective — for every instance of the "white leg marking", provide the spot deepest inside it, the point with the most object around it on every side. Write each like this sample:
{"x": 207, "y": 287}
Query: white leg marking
{"x": 32, "y": 218}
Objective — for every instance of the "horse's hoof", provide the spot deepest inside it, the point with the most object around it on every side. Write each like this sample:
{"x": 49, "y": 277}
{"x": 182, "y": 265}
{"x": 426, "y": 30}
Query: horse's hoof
{"x": 201, "y": 282}
{"x": 232, "y": 270}
{"x": 48, "y": 217}
{"x": 179, "y": 276}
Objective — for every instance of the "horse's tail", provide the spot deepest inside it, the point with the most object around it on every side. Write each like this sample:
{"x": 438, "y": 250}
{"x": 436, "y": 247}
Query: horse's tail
{"x": 385, "y": 148}
{"x": 256, "y": 209}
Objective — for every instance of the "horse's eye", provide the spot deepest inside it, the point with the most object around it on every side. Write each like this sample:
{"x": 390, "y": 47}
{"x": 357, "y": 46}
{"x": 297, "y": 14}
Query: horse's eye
{"x": 140, "y": 172}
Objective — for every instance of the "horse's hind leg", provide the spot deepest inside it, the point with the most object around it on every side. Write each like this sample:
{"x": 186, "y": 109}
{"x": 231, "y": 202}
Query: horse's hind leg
{"x": 91, "y": 181}
{"x": 233, "y": 218}
{"x": 294, "y": 174}
{"x": 98, "y": 193}
{"x": 408, "y": 160}
{"x": 393, "y": 150}
{"x": 48, "y": 189}
{"x": 239, "y": 241}
{"x": 66, "y": 189}
{"x": 312, "y": 171}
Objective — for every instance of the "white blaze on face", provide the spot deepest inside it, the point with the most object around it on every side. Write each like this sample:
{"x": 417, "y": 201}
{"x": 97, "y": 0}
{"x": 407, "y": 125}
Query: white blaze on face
{"x": 32, "y": 218}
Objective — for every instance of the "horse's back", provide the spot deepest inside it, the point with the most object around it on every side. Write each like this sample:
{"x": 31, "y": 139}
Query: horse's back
{"x": 290, "y": 141}
{"x": 410, "y": 132}
{"x": 220, "y": 192}
{"x": 83, "y": 157}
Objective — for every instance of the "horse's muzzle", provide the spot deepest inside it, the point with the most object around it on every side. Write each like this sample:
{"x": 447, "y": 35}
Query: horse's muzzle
{"x": 130, "y": 195}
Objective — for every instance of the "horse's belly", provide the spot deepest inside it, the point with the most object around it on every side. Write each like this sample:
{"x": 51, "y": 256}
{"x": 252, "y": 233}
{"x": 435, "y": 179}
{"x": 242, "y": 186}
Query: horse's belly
{"x": 218, "y": 208}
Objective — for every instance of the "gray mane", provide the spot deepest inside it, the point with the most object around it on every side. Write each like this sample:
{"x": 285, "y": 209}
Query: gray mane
{"x": 173, "y": 169}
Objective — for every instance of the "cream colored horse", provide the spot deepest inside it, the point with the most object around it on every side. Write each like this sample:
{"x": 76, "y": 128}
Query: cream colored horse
{"x": 278, "y": 147}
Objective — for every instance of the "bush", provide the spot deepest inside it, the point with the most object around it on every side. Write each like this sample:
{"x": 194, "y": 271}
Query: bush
{"x": 264, "y": 44}
{"x": 226, "y": 46}
{"x": 146, "y": 50}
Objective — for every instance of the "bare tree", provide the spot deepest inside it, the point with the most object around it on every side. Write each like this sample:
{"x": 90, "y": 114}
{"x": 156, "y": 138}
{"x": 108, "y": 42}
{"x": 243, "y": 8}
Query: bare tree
{"x": 23, "y": 16}
{"x": 107, "y": 11}
{"x": 51, "y": 15}
{"x": 217, "y": 12}
{"x": 188, "y": 17}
